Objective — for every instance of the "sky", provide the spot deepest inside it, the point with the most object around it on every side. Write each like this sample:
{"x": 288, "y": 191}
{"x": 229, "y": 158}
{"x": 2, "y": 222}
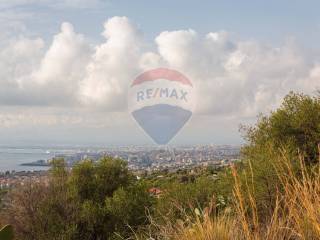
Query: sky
{"x": 66, "y": 65}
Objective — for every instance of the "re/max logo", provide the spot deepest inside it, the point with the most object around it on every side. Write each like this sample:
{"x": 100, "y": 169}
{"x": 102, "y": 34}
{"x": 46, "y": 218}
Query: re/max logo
{"x": 162, "y": 93}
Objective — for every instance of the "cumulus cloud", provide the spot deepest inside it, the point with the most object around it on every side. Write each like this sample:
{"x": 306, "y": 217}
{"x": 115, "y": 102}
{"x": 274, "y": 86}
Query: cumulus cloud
{"x": 61, "y": 68}
{"x": 31, "y": 75}
{"x": 236, "y": 77}
{"x": 112, "y": 66}
{"x": 231, "y": 77}
{"x": 17, "y": 61}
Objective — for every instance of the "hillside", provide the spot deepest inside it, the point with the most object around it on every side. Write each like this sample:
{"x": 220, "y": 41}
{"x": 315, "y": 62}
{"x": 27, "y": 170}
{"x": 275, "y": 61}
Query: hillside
{"x": 273, "y": 192}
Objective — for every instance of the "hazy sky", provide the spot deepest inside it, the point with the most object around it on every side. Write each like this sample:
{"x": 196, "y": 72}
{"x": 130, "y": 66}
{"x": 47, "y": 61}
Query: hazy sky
{"x": 65, "y": 65}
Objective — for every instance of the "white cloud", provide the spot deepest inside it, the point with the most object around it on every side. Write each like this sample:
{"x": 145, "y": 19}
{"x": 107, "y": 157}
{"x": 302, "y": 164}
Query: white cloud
{"x": 31, "y": 75}
{"x": 62, "y": 67}
{"x": 112, "y": 66}
{"x": 17, "y": 61}
{"x": 233, "y": 78}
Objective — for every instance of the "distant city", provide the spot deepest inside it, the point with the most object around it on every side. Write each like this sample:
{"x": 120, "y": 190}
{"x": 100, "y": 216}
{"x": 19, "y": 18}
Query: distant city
{"x": 154, "y": 158}
{"x": 139, "y": 158}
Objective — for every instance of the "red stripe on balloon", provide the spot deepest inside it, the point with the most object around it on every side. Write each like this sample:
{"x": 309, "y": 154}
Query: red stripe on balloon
{"x": 161, "y": 73}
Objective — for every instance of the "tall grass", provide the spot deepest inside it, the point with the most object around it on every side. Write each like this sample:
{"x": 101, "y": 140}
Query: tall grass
{"x": 295, "y": 215}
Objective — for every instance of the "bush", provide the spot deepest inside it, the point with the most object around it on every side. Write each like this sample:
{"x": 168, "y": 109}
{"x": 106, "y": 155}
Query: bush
{"x": 294, "y": 127}
{"x": 292, "y": 131}
{"x": 94, "y": 201}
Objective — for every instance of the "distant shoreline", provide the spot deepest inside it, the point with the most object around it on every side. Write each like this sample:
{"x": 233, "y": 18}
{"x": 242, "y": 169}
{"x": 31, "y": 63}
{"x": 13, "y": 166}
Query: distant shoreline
{"x": 38, "y": 163}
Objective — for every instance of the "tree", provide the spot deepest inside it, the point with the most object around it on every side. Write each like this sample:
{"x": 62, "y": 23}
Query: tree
{"x": 291, "y": 131}
{"x": 95, "y": 200}
{"x": 110, "y": 199}
{"x": 128, "y": 207}
{"x": 295, "y": 127}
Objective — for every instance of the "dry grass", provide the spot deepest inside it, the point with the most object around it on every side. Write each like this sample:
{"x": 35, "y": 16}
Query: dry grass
{"x": 296, "y": 214}
{"x": 207, "y": 228}
{"x": 199, "y": 225}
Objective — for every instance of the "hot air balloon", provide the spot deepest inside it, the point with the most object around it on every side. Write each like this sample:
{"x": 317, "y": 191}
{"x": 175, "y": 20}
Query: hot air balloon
{"x": 161, "y": 101}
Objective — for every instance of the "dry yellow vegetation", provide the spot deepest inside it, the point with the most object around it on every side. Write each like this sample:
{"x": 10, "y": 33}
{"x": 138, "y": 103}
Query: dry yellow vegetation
{"x": 296, "y": 214}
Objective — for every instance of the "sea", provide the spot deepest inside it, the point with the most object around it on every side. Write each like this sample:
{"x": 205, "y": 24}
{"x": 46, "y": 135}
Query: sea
{"x": 11, "y": 157}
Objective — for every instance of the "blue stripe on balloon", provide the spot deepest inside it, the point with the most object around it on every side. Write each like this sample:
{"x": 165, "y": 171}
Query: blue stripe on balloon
{"x": 161, "y": 121}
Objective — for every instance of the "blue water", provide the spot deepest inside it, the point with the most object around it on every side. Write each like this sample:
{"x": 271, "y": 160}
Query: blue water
{"x": 11, "y": 157}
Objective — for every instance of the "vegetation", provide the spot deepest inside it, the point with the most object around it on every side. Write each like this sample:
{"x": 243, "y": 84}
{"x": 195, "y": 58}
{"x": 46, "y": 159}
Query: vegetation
{"x": 6, "y": 233}
{"x": 273, "y": 193}
{"x": 94, "y": 201}
{"x": 295, "y": 216}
